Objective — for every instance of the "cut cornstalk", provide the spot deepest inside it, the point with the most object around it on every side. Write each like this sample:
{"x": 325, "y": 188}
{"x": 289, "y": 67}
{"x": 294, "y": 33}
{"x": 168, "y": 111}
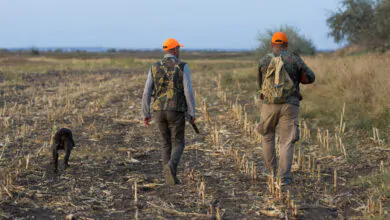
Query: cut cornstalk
{"x": 288, "y": 198}
{"x": 319, "y": 173}
{"x": 27, "y": 161}
{"x": 327, "y": 140}
{"x": 381, "y": 167}
{"x": 368, "y": 205}
{"x": 218, "y": 213}
{"x": 254, "y": 176}
{"x": 135, "y": 193}
{"x": 342, "y": 123}
{"x": 335, "y": 180}
{"x": 245, "y": 121}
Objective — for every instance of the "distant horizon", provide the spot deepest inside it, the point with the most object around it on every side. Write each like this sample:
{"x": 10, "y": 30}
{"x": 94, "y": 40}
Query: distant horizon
{"x": 104, "y": 49}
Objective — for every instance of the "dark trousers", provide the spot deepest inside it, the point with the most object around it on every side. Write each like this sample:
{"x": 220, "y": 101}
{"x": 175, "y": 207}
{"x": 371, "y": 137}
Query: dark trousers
{"x": 171, "y": 125}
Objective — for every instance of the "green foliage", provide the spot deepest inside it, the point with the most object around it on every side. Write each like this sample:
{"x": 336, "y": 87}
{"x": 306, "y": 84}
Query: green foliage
{"x": 296, "y": 42}
{"x": 34, "y": 51}
{"x": 13, "y": 78}
{"x": 352, "y": 23}
{"x": 58, "y": 50}
{"x": 111, "y": 50}
{"x": 362, "y": 22}
{"x": 379, "y": 181}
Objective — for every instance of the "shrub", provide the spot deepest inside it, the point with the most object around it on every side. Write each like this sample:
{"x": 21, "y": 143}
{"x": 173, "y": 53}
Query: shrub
{"x": 34, "y": 51}
{"x": 297, "y": 42}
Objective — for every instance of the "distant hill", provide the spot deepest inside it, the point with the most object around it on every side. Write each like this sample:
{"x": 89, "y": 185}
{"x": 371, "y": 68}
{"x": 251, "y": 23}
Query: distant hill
{"x": 105, "y": 49}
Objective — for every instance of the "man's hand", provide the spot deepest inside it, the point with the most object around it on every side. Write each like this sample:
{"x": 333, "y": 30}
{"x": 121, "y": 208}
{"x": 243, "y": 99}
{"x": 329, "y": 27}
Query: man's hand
{"x": 261, "y": 96}
{"x": 147, "y": 120}
{"x": 192, "y": 120}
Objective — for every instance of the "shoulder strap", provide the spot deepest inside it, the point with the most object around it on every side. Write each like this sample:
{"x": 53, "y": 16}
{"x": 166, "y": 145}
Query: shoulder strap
{"x": 156, "y": 66}
{"x": 271, "y": 55}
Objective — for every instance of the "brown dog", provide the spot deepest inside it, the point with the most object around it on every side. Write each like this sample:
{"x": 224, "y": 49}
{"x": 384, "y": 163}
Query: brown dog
{"x": 63, "y": 140}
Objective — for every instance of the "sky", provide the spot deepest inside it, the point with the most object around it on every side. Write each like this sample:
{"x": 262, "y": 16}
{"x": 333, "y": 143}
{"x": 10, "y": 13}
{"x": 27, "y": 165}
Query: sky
{"x": 145, "y": 24}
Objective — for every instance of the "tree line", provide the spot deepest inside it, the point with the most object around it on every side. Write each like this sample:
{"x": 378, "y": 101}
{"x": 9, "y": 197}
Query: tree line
{"x": 365, "y": 23}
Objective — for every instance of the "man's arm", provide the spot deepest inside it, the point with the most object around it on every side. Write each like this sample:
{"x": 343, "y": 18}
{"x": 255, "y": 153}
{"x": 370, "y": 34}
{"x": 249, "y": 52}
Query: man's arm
{"x": 262, "y": 69}
{"x": 146, "y": 97}
{"x": 307, "y": 76}
{"x": 188, "y": 92}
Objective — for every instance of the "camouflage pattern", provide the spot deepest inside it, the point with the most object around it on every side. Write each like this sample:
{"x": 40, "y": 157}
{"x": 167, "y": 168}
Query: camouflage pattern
{"x": 298, "y": 71}
{"x": 168, "y": 85}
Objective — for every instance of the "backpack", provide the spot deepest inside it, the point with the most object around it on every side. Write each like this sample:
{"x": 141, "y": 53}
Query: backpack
{"x": 277, "y": 84}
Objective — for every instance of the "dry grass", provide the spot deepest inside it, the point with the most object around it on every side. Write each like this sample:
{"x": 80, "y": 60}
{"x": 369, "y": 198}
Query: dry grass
{"x": 360, "y": 81}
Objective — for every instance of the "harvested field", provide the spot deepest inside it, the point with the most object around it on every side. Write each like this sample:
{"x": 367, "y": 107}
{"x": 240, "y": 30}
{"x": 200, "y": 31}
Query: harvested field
{"x": 340, "y": 169}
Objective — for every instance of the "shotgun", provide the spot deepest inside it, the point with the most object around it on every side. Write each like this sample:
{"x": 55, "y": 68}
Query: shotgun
{"x": 192, "y": 124}
{"x": 195, "y": 128}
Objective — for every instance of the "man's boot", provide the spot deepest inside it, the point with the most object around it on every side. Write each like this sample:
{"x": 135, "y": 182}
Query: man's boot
{"x": 174, "y": 172}
{"x": 169, "y": 177}
{"x": 177, "y": 181}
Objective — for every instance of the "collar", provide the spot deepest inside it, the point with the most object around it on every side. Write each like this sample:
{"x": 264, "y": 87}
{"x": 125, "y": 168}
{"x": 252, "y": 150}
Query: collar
{"x": 282, "y": 53}
{"x": 169, "y": 56}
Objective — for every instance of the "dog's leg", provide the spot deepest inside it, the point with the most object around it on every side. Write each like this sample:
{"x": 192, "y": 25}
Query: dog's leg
{"x": 55, "y": 157}
{"x": 68, "y": 148}
{"x": 72, "y": 141}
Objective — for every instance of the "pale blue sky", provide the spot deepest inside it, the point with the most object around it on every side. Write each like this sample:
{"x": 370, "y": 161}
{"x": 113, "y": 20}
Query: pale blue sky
{"x": 224, "y": 24}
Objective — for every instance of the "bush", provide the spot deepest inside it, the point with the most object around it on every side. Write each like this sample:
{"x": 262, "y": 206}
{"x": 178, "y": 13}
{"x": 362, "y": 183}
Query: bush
{"x": 34, "y": 51}
{"x": 297, "y": 42}
{"x": 111, "y": 50}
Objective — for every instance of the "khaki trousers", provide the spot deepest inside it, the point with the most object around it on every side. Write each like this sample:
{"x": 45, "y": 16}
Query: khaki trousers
{"x": 285, "y": 117}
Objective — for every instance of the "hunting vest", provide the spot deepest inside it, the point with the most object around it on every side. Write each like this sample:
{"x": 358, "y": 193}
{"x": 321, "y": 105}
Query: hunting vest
{"x": 168, "y": 85}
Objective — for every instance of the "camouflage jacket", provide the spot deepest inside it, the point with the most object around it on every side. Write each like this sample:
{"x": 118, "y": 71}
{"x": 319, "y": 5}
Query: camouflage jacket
{"x": 168, "y": 89}
{"x": 298, "y": 71}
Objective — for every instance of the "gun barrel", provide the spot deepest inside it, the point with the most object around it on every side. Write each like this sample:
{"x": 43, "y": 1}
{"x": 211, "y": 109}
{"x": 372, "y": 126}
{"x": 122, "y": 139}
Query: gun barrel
{"x": 195, "y": 128}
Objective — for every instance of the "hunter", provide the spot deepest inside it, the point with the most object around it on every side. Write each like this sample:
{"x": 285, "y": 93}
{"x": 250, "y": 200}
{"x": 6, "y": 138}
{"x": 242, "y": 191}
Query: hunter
{"x": 169, "y": 82}
{"x": 279, "y": 76}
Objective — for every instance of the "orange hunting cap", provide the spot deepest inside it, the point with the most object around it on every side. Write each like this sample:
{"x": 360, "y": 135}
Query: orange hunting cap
{"x": 171, "y": 43}
{"x": 279, "y": 38}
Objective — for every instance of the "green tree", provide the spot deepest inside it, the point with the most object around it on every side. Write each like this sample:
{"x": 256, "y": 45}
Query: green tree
{"x": 352, "y": 21}
{"x": 111, "y": 50}
{"x": 296, "y": 42}
{"x": 34, "y": 51}
{"x": 361, "y": 22}
{"x": 381, "y": 25}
